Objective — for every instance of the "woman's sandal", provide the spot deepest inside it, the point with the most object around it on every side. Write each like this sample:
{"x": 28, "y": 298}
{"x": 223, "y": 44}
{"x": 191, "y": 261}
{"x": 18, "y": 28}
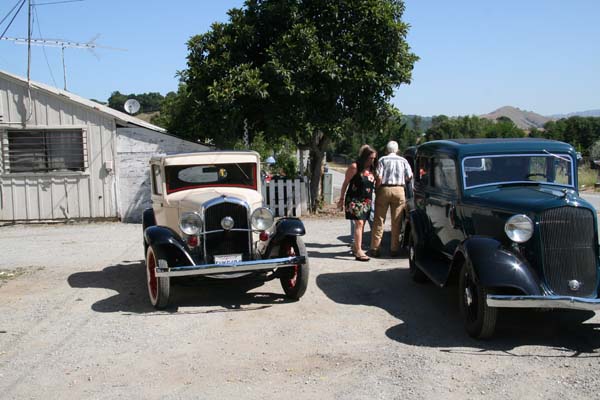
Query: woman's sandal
{"x": 362, "y": 257}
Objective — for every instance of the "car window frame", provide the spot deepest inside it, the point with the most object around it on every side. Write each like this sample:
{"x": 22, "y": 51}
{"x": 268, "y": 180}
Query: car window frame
{"x": 453, "y": 192}
{"x": 552, "y": 155}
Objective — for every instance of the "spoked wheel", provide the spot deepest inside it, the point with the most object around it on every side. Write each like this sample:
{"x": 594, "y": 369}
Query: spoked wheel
{"x": 479, "y": 318}
{"x": 158, "y": 287}
{"x": 294, "y": 280}
{"x": 415, "y": 273}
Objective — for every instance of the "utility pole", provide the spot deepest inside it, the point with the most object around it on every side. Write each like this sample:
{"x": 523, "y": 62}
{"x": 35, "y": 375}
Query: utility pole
{"x": 28, "y": 41}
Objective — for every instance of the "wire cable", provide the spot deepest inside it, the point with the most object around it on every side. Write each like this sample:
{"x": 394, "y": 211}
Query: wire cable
{"x": 10, "y": 12}
{"x": 13, "y": 18}
{"x": 37, "y": 22}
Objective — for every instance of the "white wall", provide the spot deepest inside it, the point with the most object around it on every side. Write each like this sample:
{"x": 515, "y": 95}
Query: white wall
{"x": 135, "y": 146}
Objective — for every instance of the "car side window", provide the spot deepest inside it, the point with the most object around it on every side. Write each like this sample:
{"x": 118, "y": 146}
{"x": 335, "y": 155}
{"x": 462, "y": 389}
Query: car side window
{"x": 423, "y": 170}
{"x": 444, "y": 174}
{"x": 157, "y": 181}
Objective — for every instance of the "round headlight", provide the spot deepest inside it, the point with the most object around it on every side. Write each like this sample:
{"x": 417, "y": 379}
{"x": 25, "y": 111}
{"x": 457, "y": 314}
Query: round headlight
{"x": 190, "y": 223}
{"x": 262, "y": 219}
{"x": 519, "y": 228}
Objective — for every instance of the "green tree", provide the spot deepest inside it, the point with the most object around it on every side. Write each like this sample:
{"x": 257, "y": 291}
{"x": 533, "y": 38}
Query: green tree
{"x": 295, "y": 69}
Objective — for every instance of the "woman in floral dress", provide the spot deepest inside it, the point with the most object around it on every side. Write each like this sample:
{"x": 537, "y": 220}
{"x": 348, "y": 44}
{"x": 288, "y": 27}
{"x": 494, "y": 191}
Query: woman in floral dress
{"x": 358, "y": 199}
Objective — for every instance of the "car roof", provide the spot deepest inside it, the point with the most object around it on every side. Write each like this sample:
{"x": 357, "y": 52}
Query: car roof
{"x": 207, "y": 157}
{"x": 464, "y": 147}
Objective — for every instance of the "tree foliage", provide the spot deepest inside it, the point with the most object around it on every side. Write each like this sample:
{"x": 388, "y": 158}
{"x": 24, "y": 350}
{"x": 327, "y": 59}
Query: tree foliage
{"x": 444, "y": 127}
{"x": 393, "y": 127}
{"x": 304, "y": 70}
{"x": 580, "y": 132}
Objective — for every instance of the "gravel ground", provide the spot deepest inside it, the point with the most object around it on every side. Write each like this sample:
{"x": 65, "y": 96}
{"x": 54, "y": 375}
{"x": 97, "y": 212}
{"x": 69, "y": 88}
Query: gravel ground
{"x": 75, "y": 323}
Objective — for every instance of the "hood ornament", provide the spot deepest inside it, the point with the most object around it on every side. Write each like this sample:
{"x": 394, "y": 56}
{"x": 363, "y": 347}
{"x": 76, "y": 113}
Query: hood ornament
{"x": 574, "y": 285}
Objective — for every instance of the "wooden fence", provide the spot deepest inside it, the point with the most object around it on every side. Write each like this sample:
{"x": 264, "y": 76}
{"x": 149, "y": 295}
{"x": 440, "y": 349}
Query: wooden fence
{"x": 287, "y": 197}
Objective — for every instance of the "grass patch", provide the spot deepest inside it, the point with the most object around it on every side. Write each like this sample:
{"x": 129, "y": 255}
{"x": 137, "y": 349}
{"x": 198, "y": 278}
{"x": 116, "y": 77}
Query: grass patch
{"x": 587, "y": 177}
{"x": 7, "y": 274}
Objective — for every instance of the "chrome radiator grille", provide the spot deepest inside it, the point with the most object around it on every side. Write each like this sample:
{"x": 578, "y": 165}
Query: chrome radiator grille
{"x": 226, "y": 242}
{"x": 569, "y": 251}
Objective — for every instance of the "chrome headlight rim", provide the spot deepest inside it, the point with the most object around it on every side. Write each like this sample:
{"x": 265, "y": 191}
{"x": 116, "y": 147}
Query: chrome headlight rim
{"x": 190, "y": 223}
{"x": 519, "y": 228}
{"x": 262, "y": 219}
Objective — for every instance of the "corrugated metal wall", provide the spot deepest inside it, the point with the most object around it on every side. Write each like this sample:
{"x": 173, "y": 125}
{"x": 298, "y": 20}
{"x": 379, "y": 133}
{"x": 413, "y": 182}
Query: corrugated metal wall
{"x": 57, "y": 195}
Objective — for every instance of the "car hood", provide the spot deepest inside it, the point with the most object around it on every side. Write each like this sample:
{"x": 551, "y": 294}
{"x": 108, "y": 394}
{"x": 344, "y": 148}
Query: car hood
{"x": 193, "y": 199}
{"x": 522, "y": 199}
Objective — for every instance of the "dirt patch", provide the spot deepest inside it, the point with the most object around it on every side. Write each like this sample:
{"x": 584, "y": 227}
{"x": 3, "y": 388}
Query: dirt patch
{"x": 83, "y": 328}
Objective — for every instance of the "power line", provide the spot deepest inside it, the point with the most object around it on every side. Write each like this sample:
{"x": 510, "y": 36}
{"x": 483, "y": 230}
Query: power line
{"x": 37, "y": 20}
{"x": 10, "y": 12}
{"x": 13, "y": 18}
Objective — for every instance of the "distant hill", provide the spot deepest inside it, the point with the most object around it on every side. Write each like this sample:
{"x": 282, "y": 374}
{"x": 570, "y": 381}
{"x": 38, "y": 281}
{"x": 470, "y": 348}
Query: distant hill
{"x": 588, "y": 113}
{"x": 523, "y": 119}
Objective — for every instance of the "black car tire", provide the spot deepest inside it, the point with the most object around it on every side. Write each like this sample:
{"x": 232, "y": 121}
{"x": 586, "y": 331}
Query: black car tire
{"x": 159, "y": 288}
{"x": 415, "y": 273}
{"x": 294, "y": 280}
{"x": 478, "y": 317}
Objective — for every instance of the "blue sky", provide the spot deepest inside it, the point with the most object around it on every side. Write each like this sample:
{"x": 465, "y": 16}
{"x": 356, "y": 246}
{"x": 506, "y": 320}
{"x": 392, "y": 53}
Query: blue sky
{"x": 476, "y": 56}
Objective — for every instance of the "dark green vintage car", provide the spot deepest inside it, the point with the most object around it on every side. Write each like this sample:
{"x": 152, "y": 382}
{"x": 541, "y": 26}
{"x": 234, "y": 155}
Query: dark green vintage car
{"x": 503, "y": 217}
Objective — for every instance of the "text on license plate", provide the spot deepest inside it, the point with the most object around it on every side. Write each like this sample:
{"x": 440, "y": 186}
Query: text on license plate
{"x": 228, "y": 258}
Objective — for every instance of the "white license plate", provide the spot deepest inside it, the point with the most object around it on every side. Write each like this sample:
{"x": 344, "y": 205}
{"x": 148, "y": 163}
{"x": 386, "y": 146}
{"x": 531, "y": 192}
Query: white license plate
{"x": 228, "y": 258}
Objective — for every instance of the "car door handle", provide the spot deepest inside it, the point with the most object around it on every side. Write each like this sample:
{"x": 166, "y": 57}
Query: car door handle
{"x": 451, "y": 214}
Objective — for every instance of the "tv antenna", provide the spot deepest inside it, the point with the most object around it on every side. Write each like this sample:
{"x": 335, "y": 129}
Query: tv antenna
{"x": 63, "y": 44}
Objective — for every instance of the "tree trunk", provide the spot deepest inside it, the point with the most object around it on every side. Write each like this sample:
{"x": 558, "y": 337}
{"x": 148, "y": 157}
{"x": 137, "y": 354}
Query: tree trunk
{"x": 317, "y": 153}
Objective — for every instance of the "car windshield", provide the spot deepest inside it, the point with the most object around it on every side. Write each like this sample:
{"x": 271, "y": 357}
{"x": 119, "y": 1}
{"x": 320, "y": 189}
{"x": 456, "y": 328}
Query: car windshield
{"x": 184, "y": 177}
{"x": 555, "y": 169}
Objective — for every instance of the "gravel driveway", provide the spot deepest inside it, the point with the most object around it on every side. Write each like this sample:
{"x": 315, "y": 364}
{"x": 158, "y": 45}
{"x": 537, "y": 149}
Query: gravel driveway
{"x": 76, "y": 323}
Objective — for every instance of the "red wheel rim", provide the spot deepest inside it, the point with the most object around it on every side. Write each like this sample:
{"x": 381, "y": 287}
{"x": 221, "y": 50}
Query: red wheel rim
{"x": 294, "y": 278}
{"x": 152, "y": 280}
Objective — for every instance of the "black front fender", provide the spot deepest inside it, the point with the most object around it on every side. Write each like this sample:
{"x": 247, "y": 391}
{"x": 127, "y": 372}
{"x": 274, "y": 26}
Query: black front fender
{"x": 496, "y": 266}
{"x": 285, "y": 228}
{"x": 168, "y": 245}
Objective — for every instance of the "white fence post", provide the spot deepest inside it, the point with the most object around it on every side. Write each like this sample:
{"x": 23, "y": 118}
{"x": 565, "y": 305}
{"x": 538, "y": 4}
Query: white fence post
{"x": 291, "y": 199}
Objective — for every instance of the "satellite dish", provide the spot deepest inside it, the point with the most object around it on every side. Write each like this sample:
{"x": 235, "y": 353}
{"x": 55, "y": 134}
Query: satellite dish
{"x": 132, "y": 106}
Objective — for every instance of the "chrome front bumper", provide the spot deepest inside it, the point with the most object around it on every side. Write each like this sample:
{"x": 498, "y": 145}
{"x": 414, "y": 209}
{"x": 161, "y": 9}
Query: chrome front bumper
{"x": 574, "y": 303}
{"x": 163, "y": 270}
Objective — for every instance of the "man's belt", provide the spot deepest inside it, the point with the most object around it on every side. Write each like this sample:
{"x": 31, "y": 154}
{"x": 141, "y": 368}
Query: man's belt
{"x": 388, "y": 185}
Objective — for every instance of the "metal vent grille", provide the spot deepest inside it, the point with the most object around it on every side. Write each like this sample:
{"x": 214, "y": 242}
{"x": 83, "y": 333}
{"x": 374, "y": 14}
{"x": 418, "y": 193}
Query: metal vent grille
{"x": 569, "y": 251}
{"x": 45, "y": 151}
{"x": 227, "y": 242}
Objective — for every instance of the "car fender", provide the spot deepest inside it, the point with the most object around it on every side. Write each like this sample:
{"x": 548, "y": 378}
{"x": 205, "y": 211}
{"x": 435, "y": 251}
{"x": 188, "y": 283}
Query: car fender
{"x": 285, "y": 228}
{"x": 495, "y": 266}
{"x": 148, "y": 218}
{"x": 168, "y": 245}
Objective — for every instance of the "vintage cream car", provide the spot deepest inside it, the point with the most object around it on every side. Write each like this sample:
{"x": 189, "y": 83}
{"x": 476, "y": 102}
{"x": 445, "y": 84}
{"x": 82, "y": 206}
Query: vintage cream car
{"x": 208, "y": 219}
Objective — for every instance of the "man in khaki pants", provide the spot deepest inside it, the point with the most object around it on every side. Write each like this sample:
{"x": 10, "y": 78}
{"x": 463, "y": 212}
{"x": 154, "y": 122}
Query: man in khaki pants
{"x": 393, "y": 173}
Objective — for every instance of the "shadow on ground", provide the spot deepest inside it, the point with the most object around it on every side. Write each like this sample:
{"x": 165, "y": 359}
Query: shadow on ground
{"x": 341, "y": 249}
{"x": 429, "y": 316}
{"x": 128, "y": 280}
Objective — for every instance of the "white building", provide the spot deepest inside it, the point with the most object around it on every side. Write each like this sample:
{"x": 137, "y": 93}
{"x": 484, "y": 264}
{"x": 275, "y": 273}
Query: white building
{"x": 64, "y": 157}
